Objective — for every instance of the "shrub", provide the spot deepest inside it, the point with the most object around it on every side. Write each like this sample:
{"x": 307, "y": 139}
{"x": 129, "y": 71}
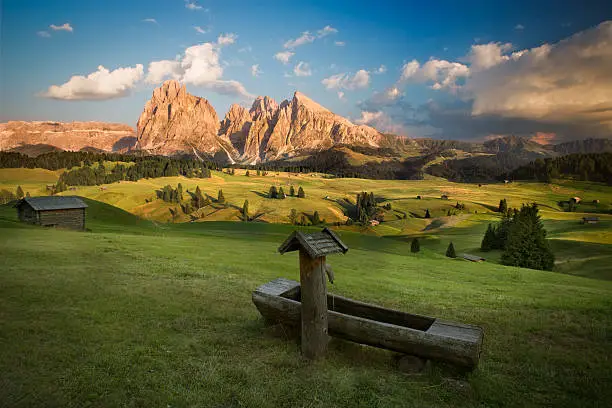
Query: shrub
{"x": 450, "y": 251}
{"x": 415, "y": 246}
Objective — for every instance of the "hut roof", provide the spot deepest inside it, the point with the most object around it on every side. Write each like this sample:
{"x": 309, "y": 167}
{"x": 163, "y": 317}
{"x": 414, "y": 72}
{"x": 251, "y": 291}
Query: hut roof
{"x": 54, "y": 203}
{"x": 473, "y": 258}
{"x": 316, "y": 244}
{"x": 590, "y": 218}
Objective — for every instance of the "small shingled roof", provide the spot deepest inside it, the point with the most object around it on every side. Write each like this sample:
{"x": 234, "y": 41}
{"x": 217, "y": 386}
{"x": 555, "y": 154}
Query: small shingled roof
{"x": 54, "y": 203}
{"x": 473, "y": 258}
{"x": 316, "y": 244}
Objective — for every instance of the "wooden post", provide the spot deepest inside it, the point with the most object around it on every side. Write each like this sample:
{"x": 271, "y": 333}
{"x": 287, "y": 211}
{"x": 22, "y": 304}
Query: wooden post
{"x": 314, "y": 306}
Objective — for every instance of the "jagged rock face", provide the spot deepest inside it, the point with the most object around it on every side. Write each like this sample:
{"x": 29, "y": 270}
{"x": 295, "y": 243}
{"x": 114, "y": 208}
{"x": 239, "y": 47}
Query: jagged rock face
{"x": 235, "y": 126}
{"x": 73, "y": 136}
{"x": 263, "y": 107}
{"x": 174, "y": 121}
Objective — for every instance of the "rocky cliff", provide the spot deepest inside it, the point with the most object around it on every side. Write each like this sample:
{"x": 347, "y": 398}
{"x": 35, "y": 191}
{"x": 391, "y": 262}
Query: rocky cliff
{"x": 174, "y": 121}
{"x": 74, "y": 136}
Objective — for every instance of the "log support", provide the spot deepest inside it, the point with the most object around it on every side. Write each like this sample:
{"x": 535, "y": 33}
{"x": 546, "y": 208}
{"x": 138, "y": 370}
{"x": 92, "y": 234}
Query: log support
{"x": 314, "y": 306}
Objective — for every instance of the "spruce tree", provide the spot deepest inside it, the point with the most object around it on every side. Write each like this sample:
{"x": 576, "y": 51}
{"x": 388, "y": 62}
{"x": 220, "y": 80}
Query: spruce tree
{"x": 179, "y": 192}
{"x": 220, "y": 197}
{"x": 247, "y": 173}
{"x": 281, "y": 194}
{"x": 415, "y": 246}
{"x": 527, "y": 246}
{"x": 291, "y": 191}
{"x": 489, "y": 240}
{"x": 501, "y": 233}
{"x": 316, "y": 220}
{"x": 199, "y": 198}
{"x": 503, "y": 206}
{"x": 245, "y": 210}
{"x": 450, "y": 251}
{"x": 427, "y": 214}
{"x": 19, "y": 192}
{"x": 273, "y": 192}
{"x": 301, "y": 193}
{"x": 293, "y": 216}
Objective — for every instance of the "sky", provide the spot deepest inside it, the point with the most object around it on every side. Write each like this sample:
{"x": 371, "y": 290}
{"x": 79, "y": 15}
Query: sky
{"x": 470, "y": 70}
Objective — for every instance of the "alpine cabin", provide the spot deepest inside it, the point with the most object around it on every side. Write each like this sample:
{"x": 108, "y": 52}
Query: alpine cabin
{"x": 53, "y": 211}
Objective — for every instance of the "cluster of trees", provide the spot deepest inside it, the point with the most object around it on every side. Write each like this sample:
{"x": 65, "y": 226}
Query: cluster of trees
{"x": 366, "y": 208}
{"x": 304, "y": 220}
{"x": 171, "y": 195}
{"x": 153, "y": 167}
{"x": 280, "y": 193}
{"x": 188, "y": 204}
{"x": 522, "y": 237}
{"x": 587, "y": 167}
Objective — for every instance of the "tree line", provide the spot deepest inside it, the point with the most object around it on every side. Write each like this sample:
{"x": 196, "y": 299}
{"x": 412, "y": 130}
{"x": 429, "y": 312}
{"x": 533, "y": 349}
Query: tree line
{"x": 586, "y": 167}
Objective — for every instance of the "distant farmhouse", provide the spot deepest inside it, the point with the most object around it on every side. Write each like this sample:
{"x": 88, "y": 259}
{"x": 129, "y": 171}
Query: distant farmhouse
{"x": 590, "y": 220}
{"x": 53, "y": 211}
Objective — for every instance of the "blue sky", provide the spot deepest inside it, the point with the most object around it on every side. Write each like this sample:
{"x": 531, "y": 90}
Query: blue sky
{"x": 46, "y": 43}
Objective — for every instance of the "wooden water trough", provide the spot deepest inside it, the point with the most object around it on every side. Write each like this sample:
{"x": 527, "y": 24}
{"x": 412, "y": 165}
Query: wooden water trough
{"x": 422, "y": 336}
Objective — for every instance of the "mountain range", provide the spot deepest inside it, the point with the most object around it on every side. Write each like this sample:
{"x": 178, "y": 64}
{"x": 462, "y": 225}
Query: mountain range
{"x": 175, "y": 122}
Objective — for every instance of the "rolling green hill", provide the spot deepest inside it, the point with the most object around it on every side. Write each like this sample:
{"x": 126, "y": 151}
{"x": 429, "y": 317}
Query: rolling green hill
{"x": 137, "y": 313}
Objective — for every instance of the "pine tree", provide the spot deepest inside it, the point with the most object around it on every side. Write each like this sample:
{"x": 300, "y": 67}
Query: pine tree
{"x": 179, "y": 192}
{"x": 281, "y": 194}
{"x": 19, "y": 192}
{"x": 293, "y": 216}
{"x": 415, "y": 246}
{"x": 291, "y": 191}
{"x": 489, "y": 239}
{"x": 502, "y": 230}
{"x": 258, "y": 172}
{"x": 220, "y": 197}
{"x": 273, "y": 193}
{"x": 527, "y": 246}
{"x": 427, "y": 214}
{"x": 503, "y": 206}
{"x": 316, "y": 220}
{"x": 245, "y": 211}
{"x": 301, "y": 193}
{"x": 247, "y": 173}
{"x": 199, "y": 198}
{"x": 450, "y": 251}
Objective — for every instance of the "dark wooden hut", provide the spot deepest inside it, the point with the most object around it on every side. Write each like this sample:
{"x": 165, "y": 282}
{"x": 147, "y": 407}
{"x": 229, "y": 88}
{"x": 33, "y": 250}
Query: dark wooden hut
{"x": 53, "y": 211}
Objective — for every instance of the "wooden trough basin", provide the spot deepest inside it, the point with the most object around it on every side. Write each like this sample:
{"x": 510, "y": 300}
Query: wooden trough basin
{"x": 425, "y": 337}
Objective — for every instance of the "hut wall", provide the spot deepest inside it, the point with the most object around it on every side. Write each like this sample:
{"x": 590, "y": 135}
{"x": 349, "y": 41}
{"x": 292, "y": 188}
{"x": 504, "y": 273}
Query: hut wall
{"x": 71, "y": 218}
{"x": 26, "y": 214}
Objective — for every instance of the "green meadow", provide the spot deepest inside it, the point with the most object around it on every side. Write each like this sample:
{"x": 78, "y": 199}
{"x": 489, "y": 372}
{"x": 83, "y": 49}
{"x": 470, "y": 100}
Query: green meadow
{"x": 138, "y": 313}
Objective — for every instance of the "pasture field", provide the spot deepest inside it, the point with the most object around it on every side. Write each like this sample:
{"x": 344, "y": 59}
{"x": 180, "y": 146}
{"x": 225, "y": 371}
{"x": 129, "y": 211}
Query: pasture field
{"x": 584, "y": 250}
{"x": 137, "y": 313}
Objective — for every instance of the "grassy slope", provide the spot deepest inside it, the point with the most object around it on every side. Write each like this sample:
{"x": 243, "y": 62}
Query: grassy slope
{"x": 139, "y": 314}
{"x": 581, "y": 250}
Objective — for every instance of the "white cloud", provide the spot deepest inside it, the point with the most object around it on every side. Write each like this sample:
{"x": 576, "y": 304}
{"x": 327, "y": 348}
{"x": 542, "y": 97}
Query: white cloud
{"x": 340, "y": 95}
{"x": 325, "y": 31}
{"x": 150, "y": 20}
{"x": 302, "y": 69}
{"x": 368, "y": 117}
{"x": 485, "y": 56}
{"x": 284, "y": 56}
{"x": 379, "y": 120}
{"x": 255, "y": 71}
{"x": 381, "y": 70}
{"x": 200, "y": 65}
{"x": 63, "y": 27}
{"x": 340, "y": 43}
{"x": 392, "y": 93}
{"x": 192, "y": 5}
{"x": 567, "y": 81}
{"x": 248, "y": 48}
{"x": 99, "y": 85}
{"x": 519, "y": 27}
{"x": 441, "y": 73}
{"x": 361, "y": 79}
{"x": 43, "y": 34}
{"x": 200, "y": 30}
{"x": 227, "y": 39}
{"x": 305, "y": 38}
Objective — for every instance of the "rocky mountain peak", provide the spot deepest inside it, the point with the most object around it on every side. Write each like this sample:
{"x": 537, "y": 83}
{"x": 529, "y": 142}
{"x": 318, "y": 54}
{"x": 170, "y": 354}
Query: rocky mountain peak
{"x": 263, "y": 106}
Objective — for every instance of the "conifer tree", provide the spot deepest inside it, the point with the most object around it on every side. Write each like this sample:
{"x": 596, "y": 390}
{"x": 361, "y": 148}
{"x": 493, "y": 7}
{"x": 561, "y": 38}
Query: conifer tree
{"x": 301, "y": 193}
{"x": 19, "y": 192}
{"x": 450, "y": 251}
{"x": 427, "y": 214}
{"x": 316, "y": 220}
{"x": 199, "y": 198}
{"x": 291, "y": 191}
{"x": 245, "y": 210}
{"x": 247, "y": 173}
{"x": 293, "y": 216}
{"x": 220, "y": 197}
{"x": 273, "y": 193}
{"x": 281, "y": 194}
{"x": 179, "y": 192}
{"x": 415, "y": 246}
{"x": 503, "y": 206}
{"x": 527, "y": 246}
{"x": 489, "y": 240}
